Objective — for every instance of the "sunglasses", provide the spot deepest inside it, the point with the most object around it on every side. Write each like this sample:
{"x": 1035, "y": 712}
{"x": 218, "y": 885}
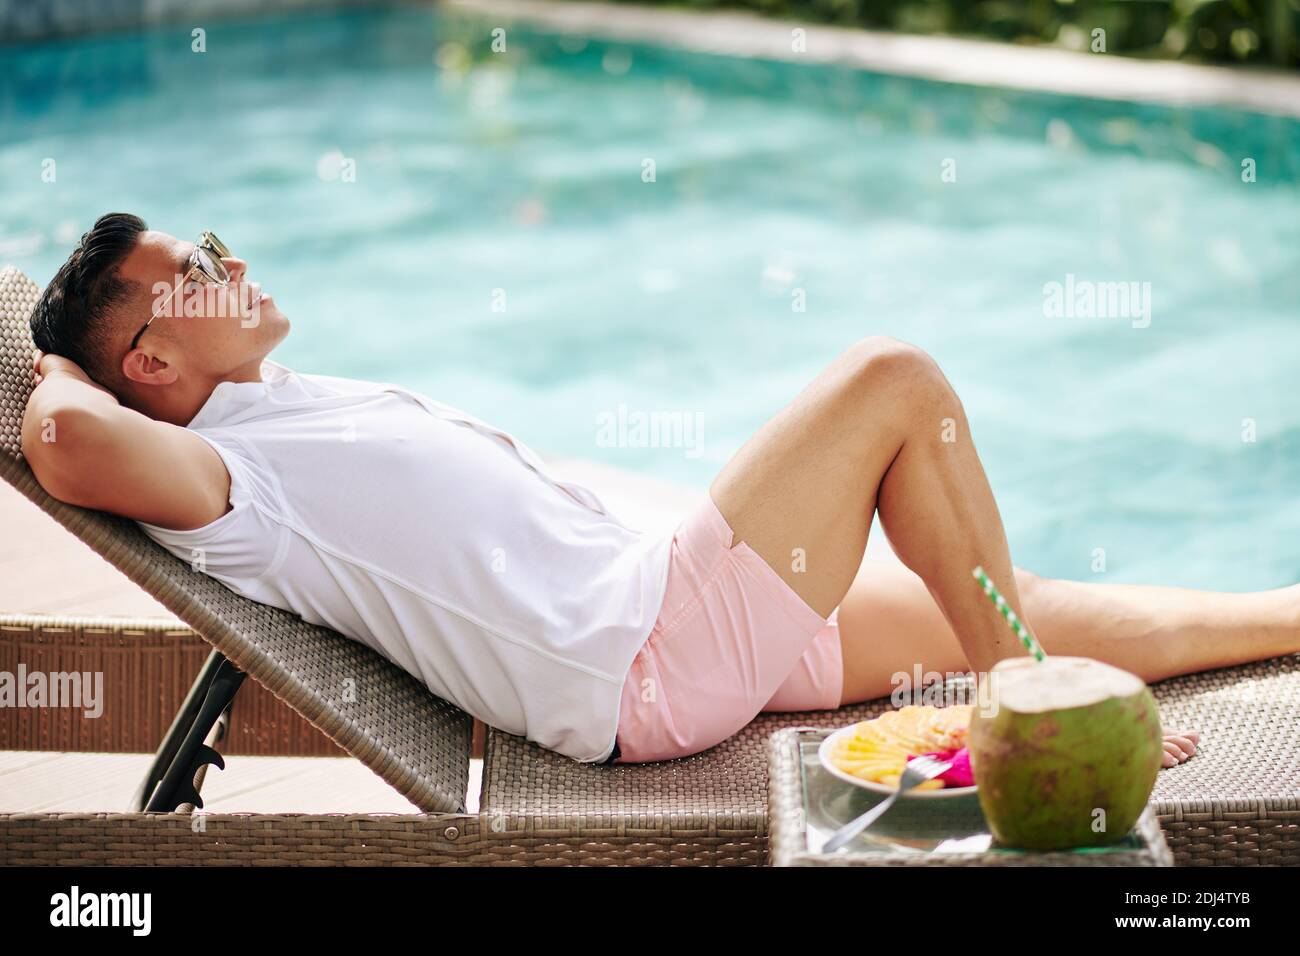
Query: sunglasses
{"x": 205, "y": 266}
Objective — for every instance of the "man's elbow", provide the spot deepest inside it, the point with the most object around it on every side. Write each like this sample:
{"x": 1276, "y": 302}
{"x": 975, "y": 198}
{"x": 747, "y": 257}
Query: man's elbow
{"x": 50, "y": 437}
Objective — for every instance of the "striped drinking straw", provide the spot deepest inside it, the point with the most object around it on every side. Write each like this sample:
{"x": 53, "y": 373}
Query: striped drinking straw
{"x": 1004, "y": 609}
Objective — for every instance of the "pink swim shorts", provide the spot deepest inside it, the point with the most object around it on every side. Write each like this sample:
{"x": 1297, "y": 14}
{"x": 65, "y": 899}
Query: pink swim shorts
{"x": 731, "y": 640}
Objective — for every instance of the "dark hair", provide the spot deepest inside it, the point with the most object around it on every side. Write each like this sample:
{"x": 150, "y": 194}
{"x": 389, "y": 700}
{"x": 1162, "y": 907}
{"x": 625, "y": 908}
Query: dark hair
{"x": 71, "y": 318}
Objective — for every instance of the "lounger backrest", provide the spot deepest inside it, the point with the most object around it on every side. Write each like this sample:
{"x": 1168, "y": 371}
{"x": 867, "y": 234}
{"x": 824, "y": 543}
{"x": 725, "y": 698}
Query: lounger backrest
{"x": 371, "y": 708}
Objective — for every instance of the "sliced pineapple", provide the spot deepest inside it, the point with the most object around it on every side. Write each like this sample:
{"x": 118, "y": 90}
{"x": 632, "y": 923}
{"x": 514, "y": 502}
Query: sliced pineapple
{"x": 877, "y": 749}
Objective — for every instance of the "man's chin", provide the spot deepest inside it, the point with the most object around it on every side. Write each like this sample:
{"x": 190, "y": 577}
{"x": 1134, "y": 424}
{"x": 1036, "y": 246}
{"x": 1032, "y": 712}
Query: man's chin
{"x": 274, "y": 323}
{"x": 284, "y": 328}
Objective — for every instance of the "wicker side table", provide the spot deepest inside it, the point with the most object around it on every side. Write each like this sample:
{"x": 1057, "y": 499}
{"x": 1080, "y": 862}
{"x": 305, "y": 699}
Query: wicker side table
{"x": 807, "y": 804}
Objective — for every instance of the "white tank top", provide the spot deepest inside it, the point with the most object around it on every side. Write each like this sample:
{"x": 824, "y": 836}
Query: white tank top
{"x": 437, "y": 540}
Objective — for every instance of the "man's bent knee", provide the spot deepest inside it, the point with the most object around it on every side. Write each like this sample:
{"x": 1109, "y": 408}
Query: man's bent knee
{"x": 881, "y": 363}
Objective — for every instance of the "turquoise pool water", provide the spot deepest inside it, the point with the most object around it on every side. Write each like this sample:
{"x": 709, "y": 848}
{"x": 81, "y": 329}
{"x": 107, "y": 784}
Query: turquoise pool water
{"x": 523, "y": 172}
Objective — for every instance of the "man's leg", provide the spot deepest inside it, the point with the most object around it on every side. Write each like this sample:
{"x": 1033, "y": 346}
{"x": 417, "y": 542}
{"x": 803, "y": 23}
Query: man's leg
{"x": 879, "y": 430}
{"x": 889, "y": 623}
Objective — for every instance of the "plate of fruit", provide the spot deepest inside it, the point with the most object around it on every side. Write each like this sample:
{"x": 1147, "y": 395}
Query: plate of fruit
{"x": 873, "y": 753}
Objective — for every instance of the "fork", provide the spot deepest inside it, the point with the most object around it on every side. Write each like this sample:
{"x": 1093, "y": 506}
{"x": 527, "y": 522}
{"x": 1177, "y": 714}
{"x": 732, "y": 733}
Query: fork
{"x": 916, "y": 772}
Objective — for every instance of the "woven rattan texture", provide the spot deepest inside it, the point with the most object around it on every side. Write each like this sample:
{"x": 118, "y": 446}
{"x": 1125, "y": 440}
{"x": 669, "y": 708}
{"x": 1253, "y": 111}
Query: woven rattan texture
{"x": 148, "y": 666}
{"x": 1237, "y": 802}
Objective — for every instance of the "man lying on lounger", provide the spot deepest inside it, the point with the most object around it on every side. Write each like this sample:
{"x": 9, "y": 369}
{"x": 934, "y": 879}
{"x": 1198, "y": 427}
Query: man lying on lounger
{"x": 444, "y": 544}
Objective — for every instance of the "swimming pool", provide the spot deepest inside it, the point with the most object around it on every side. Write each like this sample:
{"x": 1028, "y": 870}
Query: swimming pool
{"x": 501, "y": 248}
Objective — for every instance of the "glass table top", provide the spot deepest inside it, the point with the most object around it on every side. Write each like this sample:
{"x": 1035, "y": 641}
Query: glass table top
{"x": 915, "y": 825}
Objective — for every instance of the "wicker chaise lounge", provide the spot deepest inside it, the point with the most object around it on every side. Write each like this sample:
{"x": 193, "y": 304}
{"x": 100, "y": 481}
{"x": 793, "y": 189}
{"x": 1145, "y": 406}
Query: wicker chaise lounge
{"x": 1237, "y": 802}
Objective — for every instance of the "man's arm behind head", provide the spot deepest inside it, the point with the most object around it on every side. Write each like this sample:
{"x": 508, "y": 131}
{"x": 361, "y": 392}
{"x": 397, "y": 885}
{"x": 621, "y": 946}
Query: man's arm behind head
{"x": 86, "y": 449}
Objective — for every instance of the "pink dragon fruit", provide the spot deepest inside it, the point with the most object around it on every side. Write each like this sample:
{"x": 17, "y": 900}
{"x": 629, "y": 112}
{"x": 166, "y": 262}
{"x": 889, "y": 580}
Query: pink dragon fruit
{"x": 959, "y": 774}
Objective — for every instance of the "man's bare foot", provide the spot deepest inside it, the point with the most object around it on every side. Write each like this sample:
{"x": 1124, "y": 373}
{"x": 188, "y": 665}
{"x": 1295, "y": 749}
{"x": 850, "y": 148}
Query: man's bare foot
{"x": 1179, "y": 746}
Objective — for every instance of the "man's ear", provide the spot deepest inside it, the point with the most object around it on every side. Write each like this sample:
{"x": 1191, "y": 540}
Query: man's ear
{"x": 141, "y": 366}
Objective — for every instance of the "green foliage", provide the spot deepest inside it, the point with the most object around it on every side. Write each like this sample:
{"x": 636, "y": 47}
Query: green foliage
{"x": 1213, "y": 31}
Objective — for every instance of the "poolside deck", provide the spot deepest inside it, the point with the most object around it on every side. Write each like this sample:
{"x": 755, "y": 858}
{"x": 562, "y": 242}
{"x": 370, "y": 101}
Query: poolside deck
{"x": 949, "y": 59}
{"x": 34, "y": 781}
{"x": 44, "y": 569}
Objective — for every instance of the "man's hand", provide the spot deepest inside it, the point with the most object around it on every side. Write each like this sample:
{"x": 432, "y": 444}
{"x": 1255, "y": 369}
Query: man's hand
{"x": 45, "y": 364}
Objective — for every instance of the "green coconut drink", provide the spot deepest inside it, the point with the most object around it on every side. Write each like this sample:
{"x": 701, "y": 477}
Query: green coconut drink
{"x": 1067, "y": 753}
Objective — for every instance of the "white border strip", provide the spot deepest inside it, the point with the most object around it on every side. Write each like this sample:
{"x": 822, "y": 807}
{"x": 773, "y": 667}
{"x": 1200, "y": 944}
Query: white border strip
{"x": 951, "y": 60}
